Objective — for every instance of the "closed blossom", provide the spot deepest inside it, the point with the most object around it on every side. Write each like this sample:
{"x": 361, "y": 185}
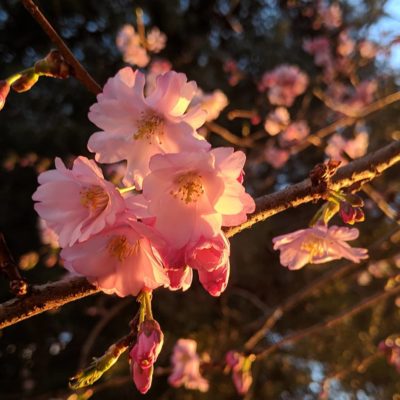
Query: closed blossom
{"x": 186, "y": 366}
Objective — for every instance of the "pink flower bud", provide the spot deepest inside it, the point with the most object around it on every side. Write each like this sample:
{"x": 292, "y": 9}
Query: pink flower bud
{"x": 209, "y": 254}
{"x": 349, "y": 214}
{"x": 215, "y": 281}
{"x": 4, "y": 90}
{"x": 180, "y": 278}
{"x": 149, "y": 343}
{"x": 142, "y": 377}
{"x": 242, "y": 381}
{"x": 241, "y": 370}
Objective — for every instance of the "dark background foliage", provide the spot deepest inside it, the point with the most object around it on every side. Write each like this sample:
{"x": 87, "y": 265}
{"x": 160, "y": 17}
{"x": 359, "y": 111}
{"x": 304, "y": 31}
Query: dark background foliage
{"x": 38, "y": 355}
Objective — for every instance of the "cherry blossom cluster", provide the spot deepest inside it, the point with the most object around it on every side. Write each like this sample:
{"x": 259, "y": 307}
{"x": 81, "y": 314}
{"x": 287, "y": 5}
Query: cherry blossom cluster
{"x": 179, "y": 192}
{"x": 320, "y": 242}
{"x": 135, "y": 48}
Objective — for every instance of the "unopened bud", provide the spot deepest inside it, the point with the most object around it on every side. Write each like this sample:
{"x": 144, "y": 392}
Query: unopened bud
{"x": 53, "y": 65}
{"x": 4, "y": 90}
{"x": 25, "y": 82}
{"x": 349, "y": 214}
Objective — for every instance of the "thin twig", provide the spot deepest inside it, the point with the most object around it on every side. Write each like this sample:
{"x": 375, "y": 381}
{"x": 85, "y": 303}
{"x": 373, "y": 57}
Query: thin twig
{"x": 78, "y": 71}
{"x": 229, "y": 136}
{"x": 315, "y": 139}
{"x": 331, "y": 322}
{"x": 94, "y": 334}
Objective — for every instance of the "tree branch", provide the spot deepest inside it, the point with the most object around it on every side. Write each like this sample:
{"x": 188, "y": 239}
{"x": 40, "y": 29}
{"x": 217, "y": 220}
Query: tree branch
{"x": 78, "y": 71}
{"x": 331, "y": 322}
{"x": 53, "y": 295}
{"x": 43, "y": 298}
{"x": 361, "y": 170}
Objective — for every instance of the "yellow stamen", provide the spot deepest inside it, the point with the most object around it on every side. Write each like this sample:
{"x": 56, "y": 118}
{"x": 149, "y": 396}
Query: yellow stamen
{"x": 120, "y": 248}
{"x": 314, "y": 246}
{"x": 189, "y": 187}
{"x": 150, "y": 127}
{"x": 94, "y": 197}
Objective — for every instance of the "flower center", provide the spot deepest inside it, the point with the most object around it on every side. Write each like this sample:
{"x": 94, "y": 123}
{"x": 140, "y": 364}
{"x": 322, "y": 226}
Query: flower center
{"x": 150, "y": 126}
{"x": 119, "y": 247}
{"x": 189, "y": 187}
{"x": 315, "y": 246}
{"x": 94, "y": 198}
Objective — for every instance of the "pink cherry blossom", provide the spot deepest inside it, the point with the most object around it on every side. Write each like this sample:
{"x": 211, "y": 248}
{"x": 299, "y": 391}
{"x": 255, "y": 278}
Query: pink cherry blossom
{"x": 142, "y": 377}
{"x": 367, "y": 49}
{"x": 77, "y": 203}
{"x": 241, "y": 370}
{"x": 346, "y": 44}
{"x": 215, "y": 281}
{"x": 149, "y": 343}
{"x": 179, "y": 278}
{"x": 340, "y": 148}
{"x": 47, "y": 235}
{"x": 320, "y": 48}
{"x": 213, "y": 103}
{"x": 208, "y": 254}
{"x": 362, "y": 96}
{"x": 277, "y": 120}
{"x": 294, "y": 133}
{"x": 156, "y": 40}
{"x": 200, "y": 190}
{"x": 331, "y": 15}
{"x": 284, "y": 84}
{"x": 129, "y": 43}
{"x": 318, "y": 244}
{"x": 135, "y": 127}
{"x": 275, "y": 156}
{"x": 120, "y": 259}
{"x": 186, "y": 366}
{"x": 390, "y": 347}
{"x": 157, "y": 67}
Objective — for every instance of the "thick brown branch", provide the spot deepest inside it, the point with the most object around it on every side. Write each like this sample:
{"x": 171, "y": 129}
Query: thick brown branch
{"x": 78, "y": 70}
{"x": 361, "y": 170}
{"x": 331, "y": 322}
{"x": 43, "y": 298}
{"x": 47, "y": 297}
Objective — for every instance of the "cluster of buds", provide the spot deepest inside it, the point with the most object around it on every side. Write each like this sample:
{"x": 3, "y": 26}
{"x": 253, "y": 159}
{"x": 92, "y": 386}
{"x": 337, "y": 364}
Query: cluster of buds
{"x": 241, "y": 370}
{"x": 148, "y": 346}
{"x": 53, "y": 65}
{"x": 391, "y": 348}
